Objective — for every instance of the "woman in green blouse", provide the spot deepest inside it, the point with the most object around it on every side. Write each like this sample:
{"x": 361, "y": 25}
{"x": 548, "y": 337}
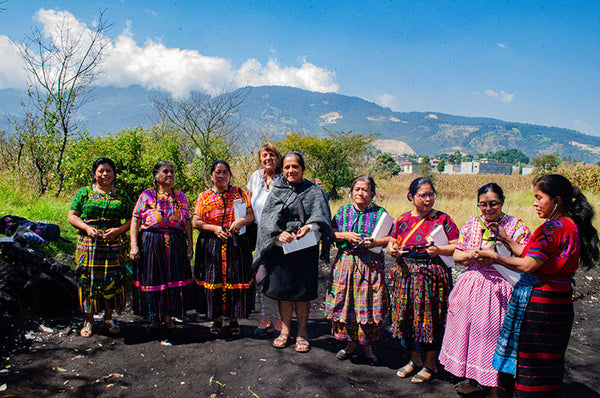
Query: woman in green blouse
{"x": 102, "y": 214}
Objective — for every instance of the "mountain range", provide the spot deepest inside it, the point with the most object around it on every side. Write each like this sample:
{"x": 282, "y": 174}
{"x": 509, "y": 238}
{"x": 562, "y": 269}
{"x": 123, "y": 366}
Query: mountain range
{"x": 272, "y": 111}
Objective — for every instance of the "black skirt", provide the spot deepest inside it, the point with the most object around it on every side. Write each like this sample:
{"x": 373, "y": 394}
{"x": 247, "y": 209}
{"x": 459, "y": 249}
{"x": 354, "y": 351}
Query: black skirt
{"x": 293, "y": 276}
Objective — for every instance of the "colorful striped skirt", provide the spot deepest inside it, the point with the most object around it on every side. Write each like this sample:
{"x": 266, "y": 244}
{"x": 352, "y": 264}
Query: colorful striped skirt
{"x": 101, "y": 273}
{"x": 357, "y": 297}
{"x": 543, "y": 340}
{"x": 420, "y": 289}
{"x": 224, "y": 277}
{"x": 162, "y": 276}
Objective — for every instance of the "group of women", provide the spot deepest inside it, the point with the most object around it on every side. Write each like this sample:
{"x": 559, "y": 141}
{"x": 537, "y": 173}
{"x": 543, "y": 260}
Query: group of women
{"x": 503, "y": 340}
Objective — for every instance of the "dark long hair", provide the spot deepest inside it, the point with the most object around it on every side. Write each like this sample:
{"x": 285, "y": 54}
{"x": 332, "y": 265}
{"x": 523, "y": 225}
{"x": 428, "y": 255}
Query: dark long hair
{"x": 576, "y": 205}
{"x": 97, "y": 164}
{"x": 491, "y": 187}
{"x": 416, "y": 184}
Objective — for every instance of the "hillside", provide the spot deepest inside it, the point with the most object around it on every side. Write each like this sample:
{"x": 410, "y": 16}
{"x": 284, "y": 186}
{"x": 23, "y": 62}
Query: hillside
{"x": 273, "y": 110}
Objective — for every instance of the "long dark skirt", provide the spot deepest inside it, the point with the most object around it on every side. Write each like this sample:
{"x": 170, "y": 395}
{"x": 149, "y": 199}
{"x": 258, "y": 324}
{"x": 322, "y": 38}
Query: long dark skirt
{"x": 293, "y": 276}
{"x": 543, "y": 340}
{"x": 162, "y": 277}
{"x": 224, "y": 277}
{"x": 101, "y": 272}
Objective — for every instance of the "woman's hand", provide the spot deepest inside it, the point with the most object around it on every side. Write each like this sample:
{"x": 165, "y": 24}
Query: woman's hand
{"x": 134, "y": 253}
{"x": 433, "y": 250}
{"x": 237, "y": 225}
{"x": 92, "y": 232}
{"x": 393, "y": 249}
{"x": 485, "y": 254}
{"x": 353, "y": 238}
{"x": 286, "y": 237}
{"x": 222, "y": 233}
{"x": 302, "y": 231}
{"x": 190, "y": 252}
{"x": 111, "y": 233}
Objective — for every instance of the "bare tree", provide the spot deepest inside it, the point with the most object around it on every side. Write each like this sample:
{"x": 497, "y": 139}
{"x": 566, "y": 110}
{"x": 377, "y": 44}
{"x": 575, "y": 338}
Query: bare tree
{"x": 209, "y": 122}
{"x": 61, "y": 68}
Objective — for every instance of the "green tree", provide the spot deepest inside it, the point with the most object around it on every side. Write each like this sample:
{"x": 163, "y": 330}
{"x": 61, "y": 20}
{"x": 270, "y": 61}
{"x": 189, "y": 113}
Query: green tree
{"x": 441, "y": 166}
{"x": 425, "y": 167}
{"x": 511, "y": 156}
{"x": 61, "y": 70}
{"x": 545, "y": 164}
{"x": 209, "y": 123}
{"x": 335, "y": 159}
{"x": 386, "y": 164}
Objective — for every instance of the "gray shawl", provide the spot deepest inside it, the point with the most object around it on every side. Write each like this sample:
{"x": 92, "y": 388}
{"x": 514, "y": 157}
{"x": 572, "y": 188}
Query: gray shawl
{"x": 281, "y": 214}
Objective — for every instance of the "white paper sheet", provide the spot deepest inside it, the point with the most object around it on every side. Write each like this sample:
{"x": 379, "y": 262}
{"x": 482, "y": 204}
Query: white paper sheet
{"x": 239, "y": 211}
{"x": 382, "y": 229}
{"x": 508, "y": 274}
{"x": 308, "y": 240}
{"x": 439, "y": 238}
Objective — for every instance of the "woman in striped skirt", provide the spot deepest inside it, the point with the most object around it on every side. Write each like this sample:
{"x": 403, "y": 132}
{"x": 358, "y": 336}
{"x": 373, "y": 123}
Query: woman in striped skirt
{"x": 537, "y": 326}
{"x": 102, "y": 214}
{"x": 421, "y": 281}
{"x": 223, "y": 268}
{"x": 357, "y": 297}
{"x": 163, "y": 249}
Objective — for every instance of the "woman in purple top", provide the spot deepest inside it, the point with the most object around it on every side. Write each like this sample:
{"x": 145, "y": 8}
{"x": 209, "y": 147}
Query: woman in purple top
{"x": 163, "y": 249}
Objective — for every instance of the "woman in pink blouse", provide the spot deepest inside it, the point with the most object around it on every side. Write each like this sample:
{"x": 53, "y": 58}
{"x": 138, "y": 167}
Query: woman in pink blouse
{"x": 163, "y": 249}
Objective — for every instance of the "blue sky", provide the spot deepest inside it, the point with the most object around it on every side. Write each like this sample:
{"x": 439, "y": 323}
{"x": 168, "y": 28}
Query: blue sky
{"x": 526, "y": 61}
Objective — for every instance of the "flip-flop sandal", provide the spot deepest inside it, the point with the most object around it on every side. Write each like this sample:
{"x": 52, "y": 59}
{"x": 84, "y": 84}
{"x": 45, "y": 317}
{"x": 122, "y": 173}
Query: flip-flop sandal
{"x": 425, "y": 375}
{"x": 111, "y": 326}
{"x": 235, "y": 328}
{"x": 302, "y": 344}
{"x": 282, "y": 340}
{"x": 86, "y": 330}
{"x": 406, "y": 370}
{"x": 216, "y": 327}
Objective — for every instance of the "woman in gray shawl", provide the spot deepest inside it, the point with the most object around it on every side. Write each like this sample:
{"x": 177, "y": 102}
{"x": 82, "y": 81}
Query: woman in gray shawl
{"x": 296, "y": 208}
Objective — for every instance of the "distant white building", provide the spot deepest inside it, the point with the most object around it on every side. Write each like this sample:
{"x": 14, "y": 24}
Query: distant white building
{"x": 481, "y": 166}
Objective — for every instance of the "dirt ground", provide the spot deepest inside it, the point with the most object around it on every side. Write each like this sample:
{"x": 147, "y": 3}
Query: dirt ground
{"x": 53, "y": 360}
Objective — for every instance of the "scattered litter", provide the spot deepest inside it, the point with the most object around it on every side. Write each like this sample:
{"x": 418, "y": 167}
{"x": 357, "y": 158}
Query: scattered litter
{"x": 253, "y": 393}
{"x": 77, "y": 357}
{"x": 4, "y": 371}
{"x": 166, "y": 343}
{"x": 100, "y": 344}
{"x": 66, "y": 382}
{"x": 110, "y": 385}
{"x": 142, "y": 354}
{"x": 46, "y": 329}
{"x": 61, "y": 369}
{"x": 182, "y": 383}
{"x": 3, "y": 387}
{"x": 263, "y": 360}
{"x": 155, "y": 386}
{"x": 589, "y": 278}
{"x": 219, "y": 383}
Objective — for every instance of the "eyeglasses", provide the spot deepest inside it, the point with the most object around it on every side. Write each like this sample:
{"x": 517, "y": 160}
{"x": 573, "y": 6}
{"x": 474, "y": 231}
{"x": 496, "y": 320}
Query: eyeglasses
{"x": 483, "y": 205}
{"x": 424, "y": 196}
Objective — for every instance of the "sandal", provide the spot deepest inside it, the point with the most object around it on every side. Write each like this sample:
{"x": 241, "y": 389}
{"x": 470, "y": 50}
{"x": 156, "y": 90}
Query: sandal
{"x": 234, "y": 326}
{"x": 342, "y": 354}
{"x": 216, "y": 327}
{"x": 111, "y": 326}
{"x": 423, "y": 376}
{"x": 406, "y": 370}
{"x": 302, "y": 344}
{"x": 86, "y": 330}
{"x": 282, "y": 340}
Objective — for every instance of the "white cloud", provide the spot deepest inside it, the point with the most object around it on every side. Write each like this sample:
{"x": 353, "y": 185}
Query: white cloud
{"x": 502, "y": 95}
{"x": 308, "y": 76}
{"x": 584, "y": 127}
{"x": 387, "y": 100}
{"x": 501, "y": 45}
{"x": 156, "y": 66}
{"x": 12, "y": 72}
